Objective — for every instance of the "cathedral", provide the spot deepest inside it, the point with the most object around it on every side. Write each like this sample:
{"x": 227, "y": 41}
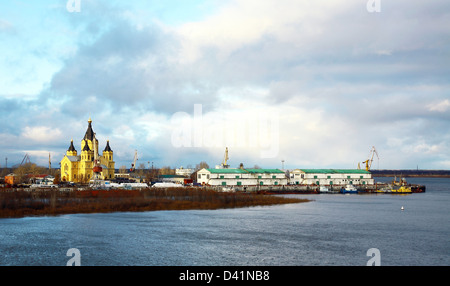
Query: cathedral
{"x": 80, "y": 168}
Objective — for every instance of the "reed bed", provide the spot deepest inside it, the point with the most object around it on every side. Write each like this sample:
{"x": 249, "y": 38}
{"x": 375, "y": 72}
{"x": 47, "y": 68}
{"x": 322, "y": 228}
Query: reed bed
{"x": 21, "y": 203}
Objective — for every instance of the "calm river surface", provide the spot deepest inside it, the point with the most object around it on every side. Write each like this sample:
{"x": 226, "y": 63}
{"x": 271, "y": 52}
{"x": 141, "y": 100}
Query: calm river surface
{"x": 334, "y": 229}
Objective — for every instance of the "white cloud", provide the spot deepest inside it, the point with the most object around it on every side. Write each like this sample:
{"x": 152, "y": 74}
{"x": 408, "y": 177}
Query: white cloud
{"x": 244, "y": 22}
{"x": 441, "y": 106}
{"x": 41, "y": 134}
{"x": 425, "y": 148}
{"x": 383, "y": 52}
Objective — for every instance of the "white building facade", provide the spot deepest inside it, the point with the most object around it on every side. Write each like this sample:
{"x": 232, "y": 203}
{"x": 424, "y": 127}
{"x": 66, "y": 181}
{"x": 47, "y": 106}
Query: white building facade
{"x": 241, "y": 177}
{"x": 330, "y": 177}
{"x": 183, "y": 172}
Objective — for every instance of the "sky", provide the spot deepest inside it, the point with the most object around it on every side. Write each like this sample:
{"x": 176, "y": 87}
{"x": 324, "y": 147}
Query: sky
{"x": 280, "y": 83}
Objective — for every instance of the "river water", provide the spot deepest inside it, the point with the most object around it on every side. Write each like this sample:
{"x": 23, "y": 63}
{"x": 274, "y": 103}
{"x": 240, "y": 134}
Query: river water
{"x": 333, "y": 229}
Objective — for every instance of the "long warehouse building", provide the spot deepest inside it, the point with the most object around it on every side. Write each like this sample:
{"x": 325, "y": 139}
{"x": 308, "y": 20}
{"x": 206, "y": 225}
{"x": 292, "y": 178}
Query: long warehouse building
{"x": 330, "y": 177}
{"x": 274, "y": 177}
{"x": 241, "y": 177}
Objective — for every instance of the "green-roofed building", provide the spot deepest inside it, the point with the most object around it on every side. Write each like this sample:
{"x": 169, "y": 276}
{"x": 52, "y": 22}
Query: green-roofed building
{"x": 241, "y": 177}
{"x": 330, "y": 177}
{"x": 274, "y": 177}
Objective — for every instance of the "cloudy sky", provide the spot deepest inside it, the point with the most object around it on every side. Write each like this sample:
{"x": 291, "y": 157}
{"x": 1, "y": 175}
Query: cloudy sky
{"x": 313, "y": 83}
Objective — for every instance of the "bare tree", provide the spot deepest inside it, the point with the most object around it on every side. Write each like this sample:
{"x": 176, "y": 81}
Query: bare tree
{"x": 57, "y": 179}
{"x": 28, "y": 169}
{"x": 152, "y": 175}
{"x": 166, "y": 171}
{"x": 201, "y": 165}
{"x": 141, "y": 169}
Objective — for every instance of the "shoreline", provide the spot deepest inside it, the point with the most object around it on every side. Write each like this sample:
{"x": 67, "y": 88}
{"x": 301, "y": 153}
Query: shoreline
{"x": 53, "y": 202}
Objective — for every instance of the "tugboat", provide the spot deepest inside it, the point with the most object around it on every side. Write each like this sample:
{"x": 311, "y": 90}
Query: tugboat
{"x": 401, "y": 190}
{"x": 408, "y": 188}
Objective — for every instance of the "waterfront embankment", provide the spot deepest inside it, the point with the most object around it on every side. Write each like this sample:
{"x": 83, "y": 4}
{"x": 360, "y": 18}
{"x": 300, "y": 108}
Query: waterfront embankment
{"x": 23, "y": 202}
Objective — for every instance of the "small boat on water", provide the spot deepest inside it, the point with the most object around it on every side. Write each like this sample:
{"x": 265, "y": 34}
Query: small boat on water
{"x": 413, "y": 188}
{"x": 349, "y": 189}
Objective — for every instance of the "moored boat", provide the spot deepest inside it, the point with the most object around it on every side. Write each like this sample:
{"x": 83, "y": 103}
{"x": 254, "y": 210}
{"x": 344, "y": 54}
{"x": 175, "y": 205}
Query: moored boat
{"x": 401, "y": 190}
{"x": 349, "y": 189}
{"x": 384, "y": 190}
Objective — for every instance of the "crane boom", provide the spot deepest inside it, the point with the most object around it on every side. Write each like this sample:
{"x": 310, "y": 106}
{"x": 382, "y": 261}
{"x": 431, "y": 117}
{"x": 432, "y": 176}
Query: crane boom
{"x": 225, "y": 159}
{"x": 369, "y": 161}
{"x": 133, "y": 165}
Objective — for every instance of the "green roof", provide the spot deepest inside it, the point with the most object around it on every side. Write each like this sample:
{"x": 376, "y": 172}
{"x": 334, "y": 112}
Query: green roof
{"x": 335, "y": 171}
{"x": 244, "y": 171}
{"x": 171, "y": 176}
{"x": 227, "y": 171}
{"x": 260, "y": 171}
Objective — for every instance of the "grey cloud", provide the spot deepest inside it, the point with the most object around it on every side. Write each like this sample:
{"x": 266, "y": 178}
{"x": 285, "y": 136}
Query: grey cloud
{"x": 131, "y": 67}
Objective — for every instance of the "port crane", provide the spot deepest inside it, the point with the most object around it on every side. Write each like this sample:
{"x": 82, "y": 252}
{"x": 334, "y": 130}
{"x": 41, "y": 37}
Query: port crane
{"x": 26, "y": 159}
{"x": 133, "y": 165}
{"x": 225, "y": 159}
{"x": 369, "y": 161}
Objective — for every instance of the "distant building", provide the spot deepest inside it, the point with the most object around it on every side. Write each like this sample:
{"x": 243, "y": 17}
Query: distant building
{"x": 183, "y": 172}
{"x": 241, "y": 177}
{"x": 40, "y": 179}
{"x": 179, "y": 179}
{"x": 330, "y": 177}
{"x": 79, "y": 168}
{"x": 122, "y": 175}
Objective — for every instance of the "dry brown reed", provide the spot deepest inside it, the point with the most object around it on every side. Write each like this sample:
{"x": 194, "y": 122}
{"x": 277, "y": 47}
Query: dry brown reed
{"x": 21, "y": 203}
